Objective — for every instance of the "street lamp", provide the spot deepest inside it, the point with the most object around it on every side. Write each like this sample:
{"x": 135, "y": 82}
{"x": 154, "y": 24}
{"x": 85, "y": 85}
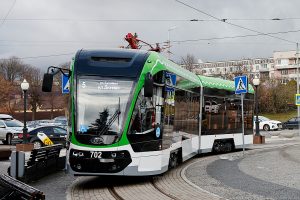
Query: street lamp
{"x": 25, "y": 86}
{"x": 256, "y": 83}
{"x": 169, "y": 42}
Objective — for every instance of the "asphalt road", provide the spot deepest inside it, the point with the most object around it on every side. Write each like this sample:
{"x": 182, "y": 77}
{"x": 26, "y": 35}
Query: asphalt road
{"x": 263, "y": 174}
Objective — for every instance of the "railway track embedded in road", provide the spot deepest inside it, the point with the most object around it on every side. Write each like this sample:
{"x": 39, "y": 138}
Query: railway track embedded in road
{"x": 113, "y": 192}
{"x": 170, "y": 186}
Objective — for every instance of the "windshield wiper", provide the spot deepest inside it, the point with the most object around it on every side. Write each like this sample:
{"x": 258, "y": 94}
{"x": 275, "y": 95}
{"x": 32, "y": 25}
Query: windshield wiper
{"x": 110, "y": 122}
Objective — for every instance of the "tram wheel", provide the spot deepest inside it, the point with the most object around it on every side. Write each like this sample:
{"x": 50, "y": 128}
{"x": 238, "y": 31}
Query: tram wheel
{"x": 173, "y": 161}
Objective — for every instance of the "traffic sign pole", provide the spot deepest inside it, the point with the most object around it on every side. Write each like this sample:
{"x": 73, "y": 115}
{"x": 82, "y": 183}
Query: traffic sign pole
{"x": 241, "y": 87}
{"x": 243, "y": 125}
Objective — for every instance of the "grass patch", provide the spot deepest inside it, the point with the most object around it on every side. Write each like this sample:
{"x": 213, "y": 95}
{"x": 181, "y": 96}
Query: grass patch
{"x": 280, "y": 116}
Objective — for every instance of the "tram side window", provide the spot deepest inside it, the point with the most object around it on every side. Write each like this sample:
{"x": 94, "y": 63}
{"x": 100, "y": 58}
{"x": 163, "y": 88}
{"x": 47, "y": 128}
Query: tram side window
{"x": 143, "y": 117}
{"x": 248, "y": 115}
{"x": 223, "y": 115}
{"x": 186, "y": 112}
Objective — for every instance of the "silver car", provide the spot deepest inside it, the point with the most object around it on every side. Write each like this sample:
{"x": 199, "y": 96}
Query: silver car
{"x": 9, "y": 127}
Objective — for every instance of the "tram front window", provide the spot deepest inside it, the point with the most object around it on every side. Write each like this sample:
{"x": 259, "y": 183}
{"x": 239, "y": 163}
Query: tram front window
{"x": 101, "y": 106}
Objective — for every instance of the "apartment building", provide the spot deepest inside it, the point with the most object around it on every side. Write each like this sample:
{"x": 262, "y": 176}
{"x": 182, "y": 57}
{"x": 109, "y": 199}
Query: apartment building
{"x": 282, "y": 66}
{"x": 263, "y": 67}
{"x": 285, "y": 63}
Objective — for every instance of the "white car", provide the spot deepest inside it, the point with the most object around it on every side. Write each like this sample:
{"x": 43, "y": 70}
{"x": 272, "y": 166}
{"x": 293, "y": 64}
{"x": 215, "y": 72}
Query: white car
{"x": 9, "y": 127}
{"x": 267, "y": 124}
{"x": 212, "y": 107}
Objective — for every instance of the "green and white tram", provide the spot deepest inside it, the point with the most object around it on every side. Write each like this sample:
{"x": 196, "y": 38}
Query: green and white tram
{"x": 136, "y": 113}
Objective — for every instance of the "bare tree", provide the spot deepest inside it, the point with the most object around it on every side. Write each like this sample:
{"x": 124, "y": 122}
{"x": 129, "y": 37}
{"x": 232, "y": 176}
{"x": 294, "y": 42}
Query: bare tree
{"x": 189, "y": 62}
{"x": 271, "y": 97}
{"x": 34, "y": 78}
{"x": 11, "y": 71}
{"x": 11, "y": 68}
{"x": 5, "y": 88}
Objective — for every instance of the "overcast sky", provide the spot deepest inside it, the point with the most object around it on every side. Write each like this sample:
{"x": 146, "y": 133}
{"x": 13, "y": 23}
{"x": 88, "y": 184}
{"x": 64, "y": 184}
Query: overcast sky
{"x": 50, "y": 27}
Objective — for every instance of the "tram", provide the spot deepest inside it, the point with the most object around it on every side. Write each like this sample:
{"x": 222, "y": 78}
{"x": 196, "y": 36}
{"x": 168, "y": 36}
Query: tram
{"x": 136, "y": 113}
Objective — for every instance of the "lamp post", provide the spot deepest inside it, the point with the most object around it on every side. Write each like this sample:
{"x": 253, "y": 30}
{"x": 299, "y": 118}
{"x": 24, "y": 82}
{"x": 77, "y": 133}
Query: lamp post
{"x": 256, "y": 83}
{"x": 25, "y": 86}
{"x": 169, "y": 42}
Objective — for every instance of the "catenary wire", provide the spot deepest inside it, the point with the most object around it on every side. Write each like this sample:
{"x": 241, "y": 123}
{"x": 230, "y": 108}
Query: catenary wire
{"x": 10, "y": 9}
{"x": 147, "y": 20}
{"x": 232, "y": 24}
{"x": 41, "y": 56}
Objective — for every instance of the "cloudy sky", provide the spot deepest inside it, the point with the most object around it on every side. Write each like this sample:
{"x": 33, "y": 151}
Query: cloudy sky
{"x": 34, "y": 28}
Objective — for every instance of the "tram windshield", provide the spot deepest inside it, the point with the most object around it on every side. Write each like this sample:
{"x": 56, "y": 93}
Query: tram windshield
{"x": 101, "y": 107}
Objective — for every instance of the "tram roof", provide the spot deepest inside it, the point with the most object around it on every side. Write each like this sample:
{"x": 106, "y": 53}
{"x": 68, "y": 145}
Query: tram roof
{"x": 218, "y": 83}
{"x": 161, "y": 63}
{"x": 157, "y": 62}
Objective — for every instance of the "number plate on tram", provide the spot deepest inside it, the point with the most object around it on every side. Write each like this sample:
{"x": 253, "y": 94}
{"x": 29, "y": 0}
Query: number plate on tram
{"x": 96, "y": 154}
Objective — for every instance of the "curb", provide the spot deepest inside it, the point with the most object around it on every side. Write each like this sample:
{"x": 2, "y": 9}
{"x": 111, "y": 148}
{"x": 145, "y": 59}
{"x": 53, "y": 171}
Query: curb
{"x": 249, "y": 152}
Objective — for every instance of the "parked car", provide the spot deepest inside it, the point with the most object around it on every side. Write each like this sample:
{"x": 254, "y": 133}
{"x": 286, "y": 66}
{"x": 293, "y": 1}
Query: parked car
{"x": 8, "y": 127}
{"x": 61, "y": 121}
{"x": 5, "y": 116}
{"x": 267, "y": 124}
{"x": 56, "y": 134}
{"x": 212, "y": 107}
{"x": 292, "y": 123}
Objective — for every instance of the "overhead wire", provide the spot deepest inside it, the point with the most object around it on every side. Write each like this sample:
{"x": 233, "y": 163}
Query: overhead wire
{"x": 237, "y": 36}
{"x": 232, "y": 24}
{"x": 147, "y": 20}
{"x": 33, "y": 43}
{"x": 10, "y": 9}
{"x": 41, "y": 56}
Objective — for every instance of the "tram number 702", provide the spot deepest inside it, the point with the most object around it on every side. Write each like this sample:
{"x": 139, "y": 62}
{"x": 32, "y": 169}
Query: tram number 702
{"x": 96, "y": 154}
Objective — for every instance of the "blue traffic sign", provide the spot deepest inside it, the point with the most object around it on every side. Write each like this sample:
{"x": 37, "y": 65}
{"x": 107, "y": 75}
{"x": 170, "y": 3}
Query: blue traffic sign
{"x": 241, "y": 84}
{"x": 297, "y": 99}
{"x": 170, "y": 81}
{"x": 65, "y": 83}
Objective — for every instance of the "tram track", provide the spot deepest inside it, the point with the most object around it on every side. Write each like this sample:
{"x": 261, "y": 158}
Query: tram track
{"x": 169, "y": 186}
{"x": 147, "y": 186}
{"x": 172, "y": 185}
{"x": 113, "y": 192}
{"x": 162, "y": 191}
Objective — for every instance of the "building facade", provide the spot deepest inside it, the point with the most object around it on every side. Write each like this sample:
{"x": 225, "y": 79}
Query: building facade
{"x": 285, "y": 63}
{"x": 263, "y": 67}
{"x": 282, "y": 66}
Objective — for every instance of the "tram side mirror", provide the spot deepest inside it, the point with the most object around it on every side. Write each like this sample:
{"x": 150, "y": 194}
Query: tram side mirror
{"x": 148, "y": 87}
{"x": 47, "y": 82}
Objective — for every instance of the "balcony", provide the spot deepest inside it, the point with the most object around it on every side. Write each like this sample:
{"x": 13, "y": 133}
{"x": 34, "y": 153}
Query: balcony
{"x": 286, "y": 67}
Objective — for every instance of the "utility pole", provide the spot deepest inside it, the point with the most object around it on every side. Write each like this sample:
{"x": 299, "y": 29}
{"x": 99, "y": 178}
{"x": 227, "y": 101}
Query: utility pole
{"x": 297, "y": 64}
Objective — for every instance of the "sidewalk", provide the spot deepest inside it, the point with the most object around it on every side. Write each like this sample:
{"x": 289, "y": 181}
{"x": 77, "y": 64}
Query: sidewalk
{"x": 239, "y": 177}
{"x": 274, "y": 141}
{"x": 5, "y": 163}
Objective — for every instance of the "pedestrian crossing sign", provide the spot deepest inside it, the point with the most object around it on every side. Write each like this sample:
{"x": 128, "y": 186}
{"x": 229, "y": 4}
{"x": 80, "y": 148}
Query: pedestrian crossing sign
{"x": 298, "y": 99}
{"x": 65, "y": 83}
{"x": 241, "y": 84}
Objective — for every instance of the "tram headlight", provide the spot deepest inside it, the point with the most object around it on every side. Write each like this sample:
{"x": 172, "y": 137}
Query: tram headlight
{"x": 113, "y": 155}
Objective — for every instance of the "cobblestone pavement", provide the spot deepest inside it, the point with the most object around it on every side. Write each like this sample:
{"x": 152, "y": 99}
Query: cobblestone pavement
{"x": 168, "y": 186}
{"x": 270, "y": 173}
{"x": 54, "y": 186}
